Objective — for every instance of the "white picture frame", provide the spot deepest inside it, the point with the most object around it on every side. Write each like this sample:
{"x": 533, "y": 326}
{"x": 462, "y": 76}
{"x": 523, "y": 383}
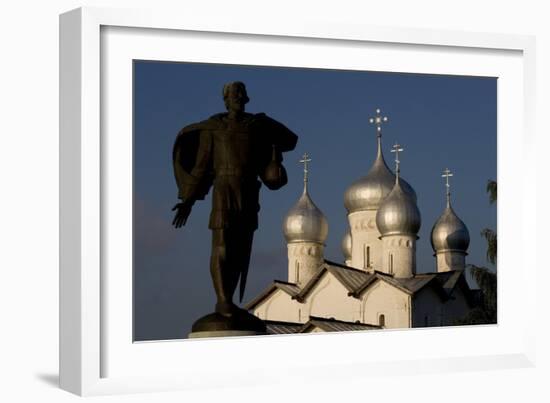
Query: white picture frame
{"x": 96, "y": 354}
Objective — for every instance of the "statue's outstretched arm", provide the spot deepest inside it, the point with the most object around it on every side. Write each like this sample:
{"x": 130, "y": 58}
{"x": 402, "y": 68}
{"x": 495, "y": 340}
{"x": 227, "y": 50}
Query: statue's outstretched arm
{"x": 192, "y": 168}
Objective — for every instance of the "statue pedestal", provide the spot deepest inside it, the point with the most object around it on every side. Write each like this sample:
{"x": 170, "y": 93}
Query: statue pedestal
{"x": 241, "y": 323}
{"x": 223, "y": 333}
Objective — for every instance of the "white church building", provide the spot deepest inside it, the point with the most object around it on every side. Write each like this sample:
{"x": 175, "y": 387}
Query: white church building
{"x": 377, "y": 286}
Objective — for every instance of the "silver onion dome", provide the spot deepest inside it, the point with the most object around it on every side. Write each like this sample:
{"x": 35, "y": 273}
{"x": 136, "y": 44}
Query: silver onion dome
{"x": 305, "y": 222}
{"x": 449, "y": 233}
{"x": 368, "y": 192}
{"x": 398, "y": 214}
{"x": 346, "y": 246}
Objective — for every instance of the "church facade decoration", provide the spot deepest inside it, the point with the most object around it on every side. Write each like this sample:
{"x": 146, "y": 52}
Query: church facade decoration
{"x": 377, "y": 286}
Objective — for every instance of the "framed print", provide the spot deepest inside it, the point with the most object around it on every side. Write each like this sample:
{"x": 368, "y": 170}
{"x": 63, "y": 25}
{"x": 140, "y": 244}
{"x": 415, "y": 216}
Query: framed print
{"x": 138, "y": 311}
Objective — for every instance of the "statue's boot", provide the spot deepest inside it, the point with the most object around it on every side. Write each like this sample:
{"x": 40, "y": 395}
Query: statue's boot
{"x": 227, "y": 308}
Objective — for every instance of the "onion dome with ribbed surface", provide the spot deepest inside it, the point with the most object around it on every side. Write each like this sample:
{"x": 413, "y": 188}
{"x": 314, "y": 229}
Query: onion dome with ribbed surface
{"x": 368, "y": 192}
{"x": 398, "y": 214}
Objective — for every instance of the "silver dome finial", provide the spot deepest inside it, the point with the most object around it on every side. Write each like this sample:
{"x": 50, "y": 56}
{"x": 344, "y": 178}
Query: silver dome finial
{"x": 305, "y": 159}
{"x": 377, "y": 120}
{"x": 447, "y": 174}
{"x": 396, "y": 148}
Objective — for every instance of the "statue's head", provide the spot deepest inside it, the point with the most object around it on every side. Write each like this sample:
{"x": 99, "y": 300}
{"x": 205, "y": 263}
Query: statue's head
{"x": 234, "y": 96}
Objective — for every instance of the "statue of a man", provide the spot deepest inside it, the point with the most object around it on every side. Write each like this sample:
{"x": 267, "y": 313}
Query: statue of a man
{"x": 229, "y": 152}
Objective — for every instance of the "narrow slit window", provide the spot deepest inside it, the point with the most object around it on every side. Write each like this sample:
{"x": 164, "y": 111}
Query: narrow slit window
{"x": 368, "y": 256}
{"x": 382, "y": 320}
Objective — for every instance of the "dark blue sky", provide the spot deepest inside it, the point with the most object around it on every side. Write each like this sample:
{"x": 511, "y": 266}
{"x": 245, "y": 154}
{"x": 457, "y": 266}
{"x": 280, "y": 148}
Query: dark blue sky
{"x": 441, "y": 121}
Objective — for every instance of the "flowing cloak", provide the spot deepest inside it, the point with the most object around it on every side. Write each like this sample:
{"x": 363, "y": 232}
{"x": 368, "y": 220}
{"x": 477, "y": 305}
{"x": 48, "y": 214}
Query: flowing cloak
{"x": 192, "y": 148}
{"x": 234, "y": 205}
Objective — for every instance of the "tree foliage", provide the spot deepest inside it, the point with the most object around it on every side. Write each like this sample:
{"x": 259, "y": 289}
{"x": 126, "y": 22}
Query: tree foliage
{"x": 491, "y": 238}
{"x": 486, "y": 310}
{"x": 492, "y": 190}
{"x": 490, "y": 235}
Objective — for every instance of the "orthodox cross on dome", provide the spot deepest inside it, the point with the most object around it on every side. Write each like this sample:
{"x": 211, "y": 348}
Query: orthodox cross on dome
{"x": 377, "y": 120}
{"x": 447, "y": 174}
{"x": 396, "y": 148}
{"x": 305, "y": 159}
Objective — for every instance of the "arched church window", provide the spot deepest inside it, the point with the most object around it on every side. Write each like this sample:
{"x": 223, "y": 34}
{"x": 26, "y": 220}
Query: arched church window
{"x": 382, "y": 320}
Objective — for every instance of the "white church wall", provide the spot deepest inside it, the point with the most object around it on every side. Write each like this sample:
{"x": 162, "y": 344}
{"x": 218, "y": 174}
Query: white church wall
{"x": 384, "y": 299}
{"x": 364, "y": 234}
{"x": 329, "y": 299}
{"x": 280, "y": 306}
{"x": 447, "y": 261}
{"x": 399, "y": 255}
{"x": 304, "y": 261}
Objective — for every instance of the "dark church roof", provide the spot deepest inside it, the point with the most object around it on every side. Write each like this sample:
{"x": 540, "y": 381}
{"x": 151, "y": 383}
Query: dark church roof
{"x": 279, "y": 327}
{"x": 349, "y": 277}
{"x": 325, "y": 324}
{"x": 358, "y": 281}
{"x": 291, "y": 289}
{"x": 444, "y": 283}
{"x": 333, "y": 325}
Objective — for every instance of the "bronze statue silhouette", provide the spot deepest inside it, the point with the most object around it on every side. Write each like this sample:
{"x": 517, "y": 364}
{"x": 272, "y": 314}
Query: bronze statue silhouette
{"x": 229, "y": 152}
